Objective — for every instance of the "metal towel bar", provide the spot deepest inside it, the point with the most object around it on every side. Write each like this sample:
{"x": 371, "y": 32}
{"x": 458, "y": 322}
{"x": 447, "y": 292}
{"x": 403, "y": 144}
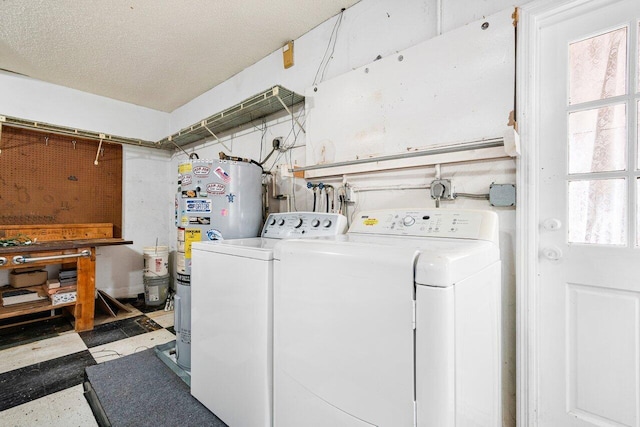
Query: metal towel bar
{"x": 20, "y": 259}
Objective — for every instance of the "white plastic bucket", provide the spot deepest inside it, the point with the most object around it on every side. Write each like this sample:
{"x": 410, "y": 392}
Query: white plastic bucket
{"x": 156, "y": 261}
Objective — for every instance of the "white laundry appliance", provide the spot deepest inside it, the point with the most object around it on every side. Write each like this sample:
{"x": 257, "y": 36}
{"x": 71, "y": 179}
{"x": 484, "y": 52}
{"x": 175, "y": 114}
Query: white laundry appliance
{"x": 232, "y": 318}
{"x": 396, "y": 323}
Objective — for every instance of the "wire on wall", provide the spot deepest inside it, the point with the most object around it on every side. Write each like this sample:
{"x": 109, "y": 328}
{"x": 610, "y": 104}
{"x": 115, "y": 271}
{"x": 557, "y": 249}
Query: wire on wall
{"x": 472, "y": 196}
{"x": 324, "y": 64}
{"x": 286, "y": 146}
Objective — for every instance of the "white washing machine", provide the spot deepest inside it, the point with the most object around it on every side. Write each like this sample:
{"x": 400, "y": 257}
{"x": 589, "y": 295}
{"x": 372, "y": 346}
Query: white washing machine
{"x": 396, "y": 323}
{"x": 232, "y": 318}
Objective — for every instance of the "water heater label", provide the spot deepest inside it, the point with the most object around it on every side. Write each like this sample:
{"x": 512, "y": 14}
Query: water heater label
{"x": 198, "y": 206}
{"x": 222, "y": 174}
{"x": 186, "y": 180}
{"x": 199, "y": 220}
{"x": 184, "y": 168}
{"x": 201, "y": 170}
{"x": 216, "y": 189}
{"x": 191, "y": 235}
{"x": 214, "y": 234}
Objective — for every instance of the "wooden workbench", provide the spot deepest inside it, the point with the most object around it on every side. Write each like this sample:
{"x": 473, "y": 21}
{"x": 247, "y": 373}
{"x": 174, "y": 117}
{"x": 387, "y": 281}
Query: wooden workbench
{"x": 84, "y": 306}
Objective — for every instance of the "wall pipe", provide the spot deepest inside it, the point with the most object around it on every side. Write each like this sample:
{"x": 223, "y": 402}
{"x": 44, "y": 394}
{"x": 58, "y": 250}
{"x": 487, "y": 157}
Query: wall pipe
{"x": 488, "y": 143}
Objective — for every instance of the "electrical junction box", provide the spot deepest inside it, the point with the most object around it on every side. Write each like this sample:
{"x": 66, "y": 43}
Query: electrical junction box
{"x": 502, "y": 195}
{"x": 442, "y": 189}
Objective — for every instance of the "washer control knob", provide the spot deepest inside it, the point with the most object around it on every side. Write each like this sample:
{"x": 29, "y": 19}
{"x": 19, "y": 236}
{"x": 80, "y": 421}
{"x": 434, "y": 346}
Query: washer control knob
{"x": 281, "y": 222}
{"x": 408, "y": 221}
{"x": 315, "y": 223}
{"x": 298, "y": 223}
{"x": 326, "y": 223}
{"x": 272, "y": 222}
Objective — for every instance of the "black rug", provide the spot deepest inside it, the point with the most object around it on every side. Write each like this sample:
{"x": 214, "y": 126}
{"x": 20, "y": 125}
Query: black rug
{"x": 140, "y": 390}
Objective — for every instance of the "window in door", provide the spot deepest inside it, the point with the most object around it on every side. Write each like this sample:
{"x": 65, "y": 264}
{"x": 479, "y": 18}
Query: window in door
{"x": 601, "y": 161}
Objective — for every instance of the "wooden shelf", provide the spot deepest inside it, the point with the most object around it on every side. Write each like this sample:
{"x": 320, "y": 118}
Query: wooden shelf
{"x": 29, "y": 308}
{"x": 84, "y": 305}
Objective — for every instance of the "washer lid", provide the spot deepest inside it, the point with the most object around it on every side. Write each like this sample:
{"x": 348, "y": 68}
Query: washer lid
{"x": 441, "y": 262}
{"x": 254, "y": 247}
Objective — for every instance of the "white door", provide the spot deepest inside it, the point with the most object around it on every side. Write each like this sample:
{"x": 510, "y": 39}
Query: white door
{"x": 588, "y": 342}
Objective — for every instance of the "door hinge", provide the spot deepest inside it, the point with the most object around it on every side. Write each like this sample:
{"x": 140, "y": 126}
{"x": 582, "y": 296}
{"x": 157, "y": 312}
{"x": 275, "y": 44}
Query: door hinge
{"x": 516, "y": 16}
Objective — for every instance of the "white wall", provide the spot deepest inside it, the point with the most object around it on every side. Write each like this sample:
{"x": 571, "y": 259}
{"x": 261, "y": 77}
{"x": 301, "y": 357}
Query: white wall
{"x": 369, "y": 29}
{"x": 148, "y": 199}
{"x": 31, "y": 99}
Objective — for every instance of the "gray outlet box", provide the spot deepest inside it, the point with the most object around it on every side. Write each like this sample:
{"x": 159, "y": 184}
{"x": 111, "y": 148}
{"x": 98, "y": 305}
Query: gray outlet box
{"x": 502, "y": 195}
{"x": 441, "y": 189}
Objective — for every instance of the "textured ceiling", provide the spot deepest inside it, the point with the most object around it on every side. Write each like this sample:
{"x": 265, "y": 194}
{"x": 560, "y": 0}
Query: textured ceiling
{"x": 154, "y": 53}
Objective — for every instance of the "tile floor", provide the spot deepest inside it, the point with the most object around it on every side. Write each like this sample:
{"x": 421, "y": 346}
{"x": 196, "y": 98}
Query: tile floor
{"x": 42, "y": 364}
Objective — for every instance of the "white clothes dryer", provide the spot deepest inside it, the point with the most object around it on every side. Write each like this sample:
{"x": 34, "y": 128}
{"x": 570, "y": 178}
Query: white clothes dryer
{"x": 232, "y": 318}
{"x": 396, "y": 323}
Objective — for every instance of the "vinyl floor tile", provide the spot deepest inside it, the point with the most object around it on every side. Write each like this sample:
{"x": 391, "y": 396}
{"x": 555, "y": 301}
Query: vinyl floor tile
{"x": 116, "y": 349}
{"x": 33, "y": 413}
{"x": 162, "y": 318}
{"x": 42, "y": 364}
{"x": 41, "y": 379}
{"x": 118, "y": 330}
{"x": 66, "y": 408}
{"x": 23, "y": 334}
{"x": 40, "y": 351}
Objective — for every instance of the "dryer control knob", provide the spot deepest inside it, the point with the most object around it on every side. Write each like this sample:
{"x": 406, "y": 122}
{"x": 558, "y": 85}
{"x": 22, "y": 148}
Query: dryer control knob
{"x": 281, "y": 222}
{"x": 272, "y": 222}
{"x": 326, "y": 223}
{"x": 315, "y": 223}
{"x": 298, "y": 223}
{"x": 408, "y": 221}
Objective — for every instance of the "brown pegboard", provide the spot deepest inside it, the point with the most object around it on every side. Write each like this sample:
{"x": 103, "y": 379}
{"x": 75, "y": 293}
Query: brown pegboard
{"x": 51, "y": 179}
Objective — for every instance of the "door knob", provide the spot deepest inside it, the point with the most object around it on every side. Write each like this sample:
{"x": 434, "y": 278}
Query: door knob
{"x": 552, "y": 253}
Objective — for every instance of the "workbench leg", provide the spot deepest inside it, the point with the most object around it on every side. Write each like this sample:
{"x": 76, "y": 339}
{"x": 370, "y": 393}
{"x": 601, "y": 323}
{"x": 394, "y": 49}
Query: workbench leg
{"x": 86, "y": 297}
